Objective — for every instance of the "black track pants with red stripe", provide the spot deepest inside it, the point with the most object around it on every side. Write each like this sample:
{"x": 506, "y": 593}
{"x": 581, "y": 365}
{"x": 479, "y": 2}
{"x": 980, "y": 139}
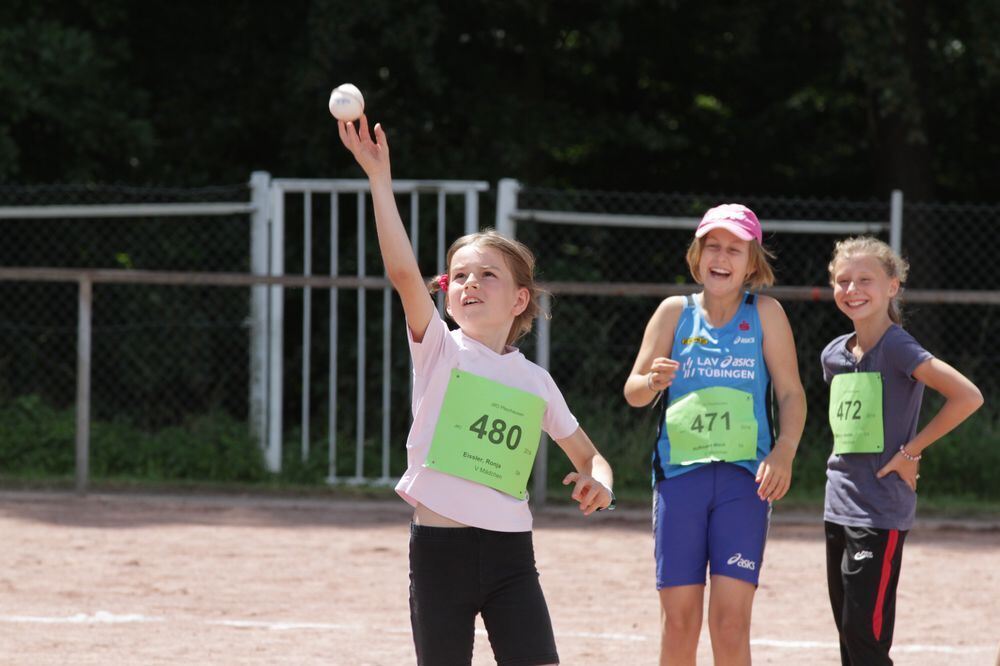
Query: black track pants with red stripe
{"x": 862, "y": 571}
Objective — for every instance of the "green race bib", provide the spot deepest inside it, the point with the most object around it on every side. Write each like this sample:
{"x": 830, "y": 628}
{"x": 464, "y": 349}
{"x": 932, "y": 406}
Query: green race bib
{"x": 487, "y": 432}
{"x": 712, "y": 424}
{"x": 856, "y": 413}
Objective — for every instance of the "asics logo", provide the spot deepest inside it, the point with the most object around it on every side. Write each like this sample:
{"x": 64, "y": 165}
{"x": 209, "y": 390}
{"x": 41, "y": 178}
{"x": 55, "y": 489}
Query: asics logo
{"x": 863, "y": 555}
{"x": 742, "y": 562}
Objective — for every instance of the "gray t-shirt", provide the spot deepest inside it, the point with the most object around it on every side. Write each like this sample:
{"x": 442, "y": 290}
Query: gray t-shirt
{"x": 854, "y": 496}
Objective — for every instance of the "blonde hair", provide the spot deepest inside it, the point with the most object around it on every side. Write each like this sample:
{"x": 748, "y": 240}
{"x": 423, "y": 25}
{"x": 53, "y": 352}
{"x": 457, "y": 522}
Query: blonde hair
{"x": 759, "y": 271}
{"x": 867, "y": 246}
{"x": 521, "y": 262}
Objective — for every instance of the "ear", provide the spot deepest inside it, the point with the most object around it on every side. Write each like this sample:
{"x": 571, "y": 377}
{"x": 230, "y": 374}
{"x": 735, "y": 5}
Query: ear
{"x": 893, "y": 287}
{"x": 523, "y": 299}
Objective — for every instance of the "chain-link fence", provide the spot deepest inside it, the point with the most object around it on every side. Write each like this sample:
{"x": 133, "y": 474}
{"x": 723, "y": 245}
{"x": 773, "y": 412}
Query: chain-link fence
{"x": 166, "y": 356}
{"x": 953, "y": 310}
{"x": 163, "y": 357}
{"x": 161, "y": 350}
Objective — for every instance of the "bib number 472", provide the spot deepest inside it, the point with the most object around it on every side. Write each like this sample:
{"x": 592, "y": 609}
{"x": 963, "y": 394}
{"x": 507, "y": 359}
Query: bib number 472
{"x": 844, "y": 410}
{"x": 498, "y": 432}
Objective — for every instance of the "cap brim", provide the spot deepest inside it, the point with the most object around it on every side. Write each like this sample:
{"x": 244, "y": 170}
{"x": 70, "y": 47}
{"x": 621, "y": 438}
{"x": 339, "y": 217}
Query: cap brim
{"x": 732, "y": 228}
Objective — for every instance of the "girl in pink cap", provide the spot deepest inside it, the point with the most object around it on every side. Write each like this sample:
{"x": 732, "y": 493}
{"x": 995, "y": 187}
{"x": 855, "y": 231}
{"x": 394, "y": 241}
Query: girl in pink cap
{"x": 479, "y": 407}
{"x": 722, "y": 358}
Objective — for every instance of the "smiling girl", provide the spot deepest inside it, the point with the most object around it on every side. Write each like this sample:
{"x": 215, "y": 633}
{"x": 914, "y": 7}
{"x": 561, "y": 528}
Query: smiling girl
{"x": 723, "y": 356}
{"x": 877, "y": 375}
{"x": 479, "y": 407}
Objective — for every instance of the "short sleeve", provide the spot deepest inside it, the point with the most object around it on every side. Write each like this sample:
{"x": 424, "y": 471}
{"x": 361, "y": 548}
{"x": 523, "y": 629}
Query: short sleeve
{"x": 436, "y": 345}
{"x": 904, "y": 353}
{"x": 827, "y": 372}
{"x": 827, "y": 359}
{"x": 558, "y": 421}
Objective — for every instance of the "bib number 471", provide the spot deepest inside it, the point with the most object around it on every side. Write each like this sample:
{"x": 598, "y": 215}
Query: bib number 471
{"x": 699, "y": 425}
{"x": 498, "y": 432}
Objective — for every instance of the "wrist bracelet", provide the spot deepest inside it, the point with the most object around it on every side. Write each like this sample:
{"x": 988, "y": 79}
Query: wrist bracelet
{"x": 612, "y": 504}
{"x": 902, "y": 449}
{"x": 649, "y": 382}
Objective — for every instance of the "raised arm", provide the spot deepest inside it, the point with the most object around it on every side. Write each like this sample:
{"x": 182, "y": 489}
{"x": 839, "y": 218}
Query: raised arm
{"x": 654, "y": 370}
{"x": 775, "y": 472}
{"x": 397, "y": 253}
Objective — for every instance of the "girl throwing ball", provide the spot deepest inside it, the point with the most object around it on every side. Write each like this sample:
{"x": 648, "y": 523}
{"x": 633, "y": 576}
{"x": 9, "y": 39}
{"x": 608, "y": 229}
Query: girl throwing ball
{"x": 479, "y": 407}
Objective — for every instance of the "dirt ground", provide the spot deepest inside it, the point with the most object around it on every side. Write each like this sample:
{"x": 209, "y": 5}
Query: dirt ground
{"x": 151, "y": 579}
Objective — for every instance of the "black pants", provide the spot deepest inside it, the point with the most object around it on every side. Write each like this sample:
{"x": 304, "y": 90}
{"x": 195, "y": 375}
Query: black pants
{"x": 862, "y": 572}
{"x": 457, "y": 573}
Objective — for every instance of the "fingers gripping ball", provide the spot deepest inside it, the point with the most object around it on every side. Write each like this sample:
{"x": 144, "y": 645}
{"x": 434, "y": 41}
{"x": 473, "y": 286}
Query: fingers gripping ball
{"x": 346, "y": 102}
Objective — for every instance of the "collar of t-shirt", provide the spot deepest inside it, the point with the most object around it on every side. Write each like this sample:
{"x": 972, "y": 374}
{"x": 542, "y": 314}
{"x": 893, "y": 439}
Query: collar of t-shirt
{"x": 853, "y": 360}
{"x": 510, "y": 352}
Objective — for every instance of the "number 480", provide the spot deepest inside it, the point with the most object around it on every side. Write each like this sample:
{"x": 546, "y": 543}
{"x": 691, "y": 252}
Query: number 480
{"x": 498, "y": 431}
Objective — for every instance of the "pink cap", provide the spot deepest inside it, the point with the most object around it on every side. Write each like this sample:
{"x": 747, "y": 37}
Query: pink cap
{"x": 734, "y": 218}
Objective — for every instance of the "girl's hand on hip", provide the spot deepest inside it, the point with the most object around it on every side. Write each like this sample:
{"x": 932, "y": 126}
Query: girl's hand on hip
{"x": 908, "y": 470}
{"x": 589, "y": 492}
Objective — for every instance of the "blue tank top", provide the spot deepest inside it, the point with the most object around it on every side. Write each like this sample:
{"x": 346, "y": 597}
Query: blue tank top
{"x": 731, "y": 356}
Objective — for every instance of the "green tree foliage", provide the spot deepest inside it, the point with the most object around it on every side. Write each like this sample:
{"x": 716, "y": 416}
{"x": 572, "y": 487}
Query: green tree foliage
{"x": 69, "y": 111}
{"x": 845, "y": 98}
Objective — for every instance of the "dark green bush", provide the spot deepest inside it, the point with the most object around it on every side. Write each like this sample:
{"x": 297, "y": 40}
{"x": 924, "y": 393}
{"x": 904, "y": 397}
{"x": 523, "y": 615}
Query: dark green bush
{"x": 39, "y": 440}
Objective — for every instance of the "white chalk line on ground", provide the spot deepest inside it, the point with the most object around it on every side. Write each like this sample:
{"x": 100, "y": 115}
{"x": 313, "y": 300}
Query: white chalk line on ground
{"x": 104, "y": 617}
{"x": 100, "y": 617}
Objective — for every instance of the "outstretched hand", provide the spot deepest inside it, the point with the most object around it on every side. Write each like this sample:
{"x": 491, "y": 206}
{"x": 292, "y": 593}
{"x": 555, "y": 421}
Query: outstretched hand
{"x": 373, "y": 156}
{"x": 589, "y": 492}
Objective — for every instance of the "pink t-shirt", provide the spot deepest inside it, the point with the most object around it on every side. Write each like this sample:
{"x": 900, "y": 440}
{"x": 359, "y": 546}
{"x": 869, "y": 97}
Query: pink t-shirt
{"x": 461, "y": 500}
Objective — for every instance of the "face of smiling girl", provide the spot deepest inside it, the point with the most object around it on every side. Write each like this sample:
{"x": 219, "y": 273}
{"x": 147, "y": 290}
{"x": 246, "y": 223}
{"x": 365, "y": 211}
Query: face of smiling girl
{"x": 724, "y": 263}
{"x": 862, "y": 289}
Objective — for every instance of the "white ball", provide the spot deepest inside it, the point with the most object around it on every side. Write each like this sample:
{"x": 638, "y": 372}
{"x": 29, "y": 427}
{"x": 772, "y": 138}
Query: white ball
{"x": 346, "y": 102}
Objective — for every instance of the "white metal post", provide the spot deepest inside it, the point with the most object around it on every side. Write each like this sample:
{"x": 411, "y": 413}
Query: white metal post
{"x": 540, "y": 471}
{"x": 896, "y": 222}
{"x": 334, "y": 326}
{"x": 276, "y": 319}
{"x": 471, "y": 212}
{"x": 260, "y": 186}
{"x": 386, "y": 379}
{"x": 507, "y": 190}
{"x": 359, "y": 461}
{"x": 83, "y": 364}
{"x": 306, "y": 319}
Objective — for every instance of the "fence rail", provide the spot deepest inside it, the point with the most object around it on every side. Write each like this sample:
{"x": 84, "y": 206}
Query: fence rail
{"x": 157, "y": 275}
{"x": 87, "y": 279}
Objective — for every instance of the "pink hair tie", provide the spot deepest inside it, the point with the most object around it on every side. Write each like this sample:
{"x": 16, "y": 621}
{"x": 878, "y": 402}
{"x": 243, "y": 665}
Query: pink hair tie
{"x": 443, "y": 281}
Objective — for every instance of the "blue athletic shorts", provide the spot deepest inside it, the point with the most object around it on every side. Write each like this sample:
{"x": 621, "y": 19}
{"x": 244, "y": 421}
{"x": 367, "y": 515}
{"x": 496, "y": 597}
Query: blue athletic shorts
{"x": 709, "y": 516}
